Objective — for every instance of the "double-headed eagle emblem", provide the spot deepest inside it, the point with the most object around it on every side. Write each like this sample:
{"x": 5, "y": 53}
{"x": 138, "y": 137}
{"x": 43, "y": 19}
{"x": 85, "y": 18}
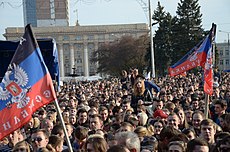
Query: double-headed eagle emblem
{"x": 13, "y": 86}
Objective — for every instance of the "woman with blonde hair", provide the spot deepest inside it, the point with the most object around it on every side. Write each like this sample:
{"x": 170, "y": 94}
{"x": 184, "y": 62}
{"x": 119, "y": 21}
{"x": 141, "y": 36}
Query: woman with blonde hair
{"x": 140, "y": 93}
{"x": 96, "y": 143}
{"x": 141, "y": 132}
{"x": 22, "y": 146}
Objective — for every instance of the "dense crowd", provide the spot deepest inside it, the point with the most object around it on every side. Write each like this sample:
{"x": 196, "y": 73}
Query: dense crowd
{"x": 131, "y": 113}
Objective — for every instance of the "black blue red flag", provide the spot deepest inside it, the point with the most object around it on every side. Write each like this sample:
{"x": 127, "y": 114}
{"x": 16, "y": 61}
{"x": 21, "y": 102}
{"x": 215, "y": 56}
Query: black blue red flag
{"x": 56, "y": 65}
{"x": 194, "y": 58}
{"x": 26, "y": 86}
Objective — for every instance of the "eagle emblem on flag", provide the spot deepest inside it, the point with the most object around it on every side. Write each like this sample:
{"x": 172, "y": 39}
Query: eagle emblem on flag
{"x": 16, "y": 89}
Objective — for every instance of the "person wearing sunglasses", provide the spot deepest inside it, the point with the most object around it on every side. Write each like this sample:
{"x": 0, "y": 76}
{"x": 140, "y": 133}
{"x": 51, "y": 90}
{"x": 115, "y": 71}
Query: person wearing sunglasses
{"x": 39, "y": 139}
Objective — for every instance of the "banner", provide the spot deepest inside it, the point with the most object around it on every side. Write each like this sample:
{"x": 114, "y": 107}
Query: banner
{"x": 194, "y": 58}
{"x": 26, "y": 86}
{"x": 208, "y": 67}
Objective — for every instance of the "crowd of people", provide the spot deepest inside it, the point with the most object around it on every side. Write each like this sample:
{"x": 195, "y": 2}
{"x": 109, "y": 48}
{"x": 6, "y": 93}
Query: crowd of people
{"x": 131, "y": 113}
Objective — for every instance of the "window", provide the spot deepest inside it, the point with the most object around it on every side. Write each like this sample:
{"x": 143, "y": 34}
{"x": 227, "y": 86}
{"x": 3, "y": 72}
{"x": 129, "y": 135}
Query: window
{"x": 52, "y": 9}
{"x": 79, "y": 69}
{"x": 79, "y": 46}
{"x": 221, "y": 62}
{"x": 101, "y": 37}
{"x": 221, "y": 52}
{"x": 92, "y": 69}
{"x": 79, "y": 60}
{"x": 66, "y": 68}
{"x": 226, "y": 52}
{"x": 112, "y": 37}
{"x": 227, "y": 62}
{"x": 65, "y": 48}
{"x": 65, "y": 38}
{"x": 78, "y": 54}
{"x": 90, "y": 46}
{"x": 90, "y": 37}
{"x": 78, "y": 37}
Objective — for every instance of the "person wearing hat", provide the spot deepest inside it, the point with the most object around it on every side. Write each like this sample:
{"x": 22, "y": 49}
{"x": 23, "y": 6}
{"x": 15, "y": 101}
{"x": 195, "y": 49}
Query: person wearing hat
{"x": 160, "y": 114}
{"x": 140, "y": 93}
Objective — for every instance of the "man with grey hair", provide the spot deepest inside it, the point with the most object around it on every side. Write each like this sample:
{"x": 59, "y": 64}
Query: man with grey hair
{"x": 128, "y": 139}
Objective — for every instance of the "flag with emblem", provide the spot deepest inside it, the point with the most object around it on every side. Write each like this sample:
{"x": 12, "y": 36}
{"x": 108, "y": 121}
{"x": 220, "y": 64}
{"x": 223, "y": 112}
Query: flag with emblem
{"x": 26, "y": 86}
{"x": 195, "y": 57}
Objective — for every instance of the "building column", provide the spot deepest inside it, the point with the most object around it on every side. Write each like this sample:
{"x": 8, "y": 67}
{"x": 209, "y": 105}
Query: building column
{"x": 86, "y": 60}
{"x": 72, "y": 64}
{"x": 61, "y": 60}
{"x": 95, "y": 49}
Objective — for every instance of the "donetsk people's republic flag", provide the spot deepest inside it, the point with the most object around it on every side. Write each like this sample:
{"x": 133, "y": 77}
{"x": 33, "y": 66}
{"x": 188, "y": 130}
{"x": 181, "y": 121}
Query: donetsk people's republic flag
{"x": 194, "y": 58}
{"x": 26, "y": 86}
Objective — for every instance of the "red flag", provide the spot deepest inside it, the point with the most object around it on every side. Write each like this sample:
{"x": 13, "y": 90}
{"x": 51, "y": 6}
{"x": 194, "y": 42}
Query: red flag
{"x": 26, "y": 86}
{"x": 208, "y": 74}
{"x": 208, "y": 71}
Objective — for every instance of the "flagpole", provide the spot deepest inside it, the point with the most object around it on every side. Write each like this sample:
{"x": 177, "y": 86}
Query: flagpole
{"x": 63, "y": 125}
{"x": 206, "y": 105}
{"x": 61, "y": 118}
{"x": 151, "y": 41}
{"x": 213, "y": 63}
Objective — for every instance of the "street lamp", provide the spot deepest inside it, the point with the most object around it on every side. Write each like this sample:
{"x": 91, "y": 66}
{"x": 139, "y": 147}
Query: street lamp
{"x": 228, "y": 36}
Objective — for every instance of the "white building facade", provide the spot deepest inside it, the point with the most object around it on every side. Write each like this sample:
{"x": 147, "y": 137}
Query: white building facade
{"x": 224, "y": 57}
{"x": 77, "y": 43}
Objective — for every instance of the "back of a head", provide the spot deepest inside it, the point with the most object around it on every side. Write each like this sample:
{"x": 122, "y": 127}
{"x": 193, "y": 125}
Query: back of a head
{"x": 44, "y": 149}
{"x": 127, "y": 124}
{"x": 177, "y": 143}
{"x": 98, "y": 143}
{"x": 195, "y": 142}
{"x": 118, "y": 148}
{"x": 81, "y": 132}
{"x": 168, "y": 132}
{"x": 180, "y": 137}
{"x": 128, "y": 139}
{"x": 219, "y": 136}
{"x": 141, "y": 131}
{"x": 225, "y": 140}
{"x": 149, "y": 143}
{"x": 55, "y": 141}
{"x": 57, "y": 130}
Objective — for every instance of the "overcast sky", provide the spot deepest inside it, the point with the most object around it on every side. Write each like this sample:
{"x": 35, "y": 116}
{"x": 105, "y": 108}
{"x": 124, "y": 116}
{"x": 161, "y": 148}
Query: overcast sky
{"x": 91, "y": 12}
